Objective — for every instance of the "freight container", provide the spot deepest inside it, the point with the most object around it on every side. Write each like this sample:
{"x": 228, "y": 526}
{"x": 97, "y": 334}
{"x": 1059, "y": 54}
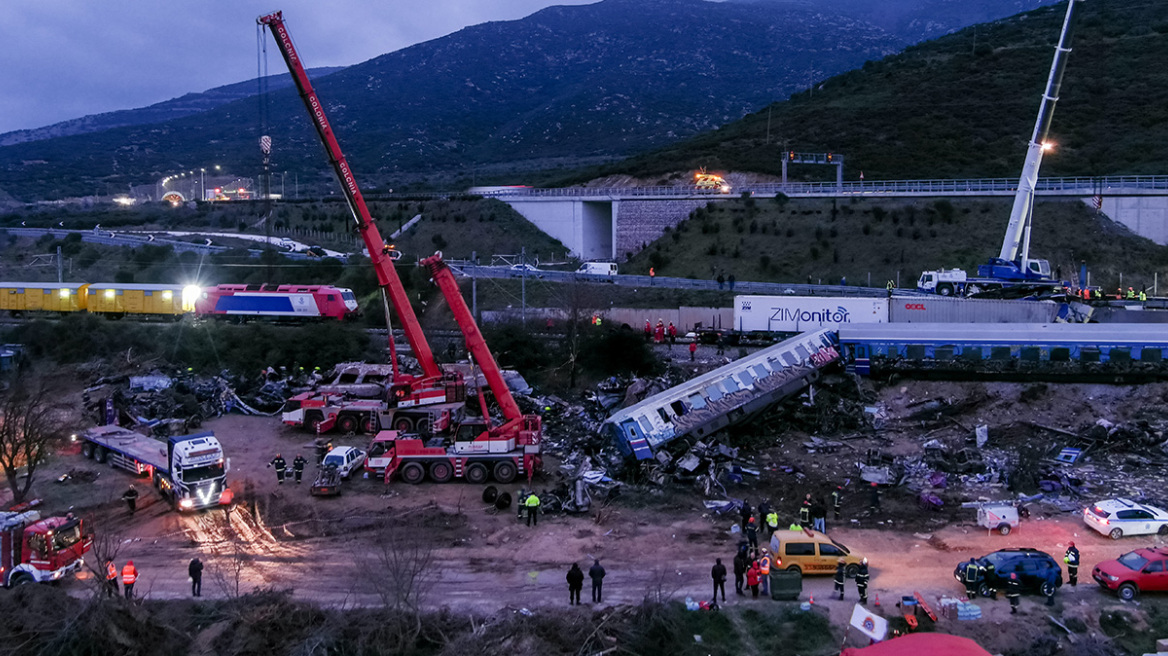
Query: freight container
{"x": 797, "y": 314}
{"x": 934, "y": 309}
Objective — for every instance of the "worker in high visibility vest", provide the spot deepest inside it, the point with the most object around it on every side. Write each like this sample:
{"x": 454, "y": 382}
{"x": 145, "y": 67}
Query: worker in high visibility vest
{"x": 129, "y": 578}
{"x": 532, "y": 504}
{"x": 111, "y": 579}
{"x": 764, "y": 568}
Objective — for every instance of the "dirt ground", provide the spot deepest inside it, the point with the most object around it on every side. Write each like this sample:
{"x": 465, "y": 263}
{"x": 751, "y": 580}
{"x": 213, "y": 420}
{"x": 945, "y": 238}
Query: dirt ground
{"x": 652, "y": 541}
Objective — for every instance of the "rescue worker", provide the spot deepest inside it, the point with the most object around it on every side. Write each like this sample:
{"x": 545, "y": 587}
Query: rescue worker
{"x": 1013, "y": 592}
{"x": 1053, "y": 578}
{"x": 739, "y": 571}
{"x": 988, "y": 573}
{"x": 1131, "y": 294}
{"x": 889, "y": 285}
{"x": 764, "y": 570}
{"x": 575, "y": 584}
{"x": 836, "y": 499}
{"x": 752, "y": 533}
{"x": 772, "y": 522}
{"x": 129, "y": 578}
{"x": 596, "y": 573}
{"x": 862, "y": 582}
{"x": 323, "y": 446}
{"x": 718, "y": 573}
{"x": 794, "y": 527}
{"x": 281, "y": 468}
{"x": 298, "y": 467}
{"x": 195, "y": 571}
{"x": 874, "y": 497}
{"x": 1071, "y": 558}
{"x": 659, "y": 332}
{"x": 111, "y": 579}
{"x": 745, "y": 513}
{"x": 805, "y": 512}
{"x": 693, "y": 349}
{"x": 652, "y": 275}
{"x": 1098, "y": 293}
{"x": 1143, "y": 296}
{"x": 973, "y": 577}
{"x": 648, "y": 331}
{"x": 752, "y": 576}
{"x": 672, "y": 330}
{"x": 532, "y": 504}
{"x": 130, "y": 496}
{"x": 839, "y": 578}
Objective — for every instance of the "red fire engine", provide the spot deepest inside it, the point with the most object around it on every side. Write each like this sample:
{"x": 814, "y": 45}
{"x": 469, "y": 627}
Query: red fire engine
{"x": 35, "y": 550}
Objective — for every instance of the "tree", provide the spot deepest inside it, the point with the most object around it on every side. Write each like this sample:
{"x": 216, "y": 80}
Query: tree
{"x": 30, "y": 423}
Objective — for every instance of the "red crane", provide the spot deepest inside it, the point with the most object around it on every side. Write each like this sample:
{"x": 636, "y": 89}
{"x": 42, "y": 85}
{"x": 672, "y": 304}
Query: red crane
{"x": 432, "y": 386}
{"x": 477, "y": 449}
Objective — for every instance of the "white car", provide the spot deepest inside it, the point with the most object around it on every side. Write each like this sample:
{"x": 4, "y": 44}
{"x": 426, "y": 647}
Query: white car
{"x": 346, "y": 458}
{"x": 518, "y": 270}
{"x": 1120, "y": 517}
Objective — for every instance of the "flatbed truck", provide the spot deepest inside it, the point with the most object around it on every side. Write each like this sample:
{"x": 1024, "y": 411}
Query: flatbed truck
{"x": 189, "y": 471}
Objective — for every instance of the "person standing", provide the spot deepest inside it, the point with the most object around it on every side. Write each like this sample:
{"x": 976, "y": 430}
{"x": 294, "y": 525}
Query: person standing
{"x": 281, "y": 467}
{"x": 648, "y": 331}
{"x": 718, "y": 573}
{"x": 772, "y": 522}
{"x": 298, "y": 467}
{"x": 111, "y": 579}
{"x": 652, "y": 276}
{"x": 874, "y": 497}
{"x": 1013, "y": 592}
{"x": 805, "y": 512}
{"x": 672, "y": 330}
{"x": 972, "y": 575}
{"x": 532, "y": 505}
{"x": 659, "y": 332}
{"x": 745, "y": 513}
{"x": 731, "y": 280}
{"x": 752, "y": 576}
{"x": 721, "y": 280}
{"x": 819, "y": 516}
{"x": 693, "y": 349}
{"x": 763, "y": 509}
{"x": 195, "y": 571}
{"x": 1071, "y": 558}
{"x": 862, "y": 582}
{"x": 752, "y": 533}
{"x": 839, "y": 578}
{"x": 129, "y": 578}
{"x": 739, "y": 571}
{"x": 764, "y": 572}
{"x": 596, "y": 573}
{"x": 836, "y": 500}
{"x": 575, "y": 584}
{"x": 130, "y": 496}
{"x": 1053, "y": 578}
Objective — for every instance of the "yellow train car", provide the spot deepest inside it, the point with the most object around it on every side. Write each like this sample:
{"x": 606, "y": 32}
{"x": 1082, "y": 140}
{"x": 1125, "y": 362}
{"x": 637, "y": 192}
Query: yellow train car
{"x": 117, "y": 300}
{"x": 20, "y": 297}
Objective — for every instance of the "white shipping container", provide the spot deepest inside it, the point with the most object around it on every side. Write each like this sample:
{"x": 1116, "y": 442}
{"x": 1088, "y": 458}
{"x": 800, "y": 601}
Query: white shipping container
{"x": 939, "y": 309}
{"x": 796, "y": 314}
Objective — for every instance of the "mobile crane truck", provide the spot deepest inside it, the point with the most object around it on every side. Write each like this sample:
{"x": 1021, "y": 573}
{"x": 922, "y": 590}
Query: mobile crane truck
{"x": 189, "y": 471}
{"x": 479, "y": 449}
{"x": 1013, "y": 272}
{"x": 35, "y": 550}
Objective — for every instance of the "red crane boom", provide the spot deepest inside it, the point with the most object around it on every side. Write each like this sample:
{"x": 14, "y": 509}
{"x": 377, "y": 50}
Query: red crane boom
{"x": 379, "y": 252}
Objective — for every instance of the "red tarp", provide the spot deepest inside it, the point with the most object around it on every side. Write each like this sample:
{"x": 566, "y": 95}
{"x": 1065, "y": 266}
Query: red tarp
{"x": 921, "y": 644}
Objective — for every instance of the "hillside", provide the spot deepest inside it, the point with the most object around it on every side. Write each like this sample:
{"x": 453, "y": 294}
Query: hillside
{"x": 822, "y": 240}
{"x": 964, "y": 105}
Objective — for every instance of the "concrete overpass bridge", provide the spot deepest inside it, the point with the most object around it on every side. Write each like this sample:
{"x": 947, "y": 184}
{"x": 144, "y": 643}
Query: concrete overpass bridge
{"x": 607, "y": 222}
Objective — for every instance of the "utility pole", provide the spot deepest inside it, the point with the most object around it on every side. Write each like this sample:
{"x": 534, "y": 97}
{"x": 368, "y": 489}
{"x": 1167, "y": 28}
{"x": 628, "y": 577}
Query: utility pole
{"x": 523, "y": 285}
{"x": 60, "y": 266}
{"x": 474, "y": 285}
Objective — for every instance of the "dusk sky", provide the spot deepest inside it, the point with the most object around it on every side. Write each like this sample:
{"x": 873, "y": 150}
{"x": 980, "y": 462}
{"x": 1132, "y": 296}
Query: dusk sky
{"x": 65, "y": 59}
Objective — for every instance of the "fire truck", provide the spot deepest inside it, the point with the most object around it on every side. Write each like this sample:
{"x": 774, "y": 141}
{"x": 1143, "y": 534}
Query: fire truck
{"x": 505, "y": 448}
{"x": 35, "y": 550}
{"x": 320, "y": 413}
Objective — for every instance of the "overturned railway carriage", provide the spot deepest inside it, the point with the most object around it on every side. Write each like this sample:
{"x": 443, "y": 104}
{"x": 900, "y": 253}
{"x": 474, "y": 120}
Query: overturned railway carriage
{"x": 1102, "y": 351}
{"x": 723, "y": 397}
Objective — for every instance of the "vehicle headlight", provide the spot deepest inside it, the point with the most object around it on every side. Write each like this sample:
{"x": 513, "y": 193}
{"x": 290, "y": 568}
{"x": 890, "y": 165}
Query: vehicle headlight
{"x": 186, "y": 504}
{"x": 1111, "y": 578}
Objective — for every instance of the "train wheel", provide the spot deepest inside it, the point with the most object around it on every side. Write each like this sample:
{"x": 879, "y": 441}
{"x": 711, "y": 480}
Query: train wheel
{"x": 403, "y": 424}
{"x": 477, "y": 474}
{"x": 347, "y": 424}
{"x": 370, "y": 425}
{"x": 505, "y": 472}
{"x": 99, "y": 454}
{"x": 87, "y": 450}
{"x": 413, "y": 473}
{"x": 441, "y": 472}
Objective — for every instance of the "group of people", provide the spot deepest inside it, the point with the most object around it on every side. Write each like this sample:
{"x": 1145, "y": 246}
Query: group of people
{"x": 129, "y": 576}
{"x": 752, "y": 569}
{"x": 659, "y": 333}
{"x": 576, "y": 582}
{"x": 975, "y": 575}
{"x": 281, "y": 466}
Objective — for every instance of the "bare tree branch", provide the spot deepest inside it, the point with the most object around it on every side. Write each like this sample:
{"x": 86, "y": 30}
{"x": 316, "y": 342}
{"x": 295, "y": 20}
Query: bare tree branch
{"x": 31, "y": 421}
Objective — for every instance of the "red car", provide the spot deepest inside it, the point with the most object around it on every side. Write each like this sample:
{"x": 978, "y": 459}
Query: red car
{"x": 1142, "y": 570}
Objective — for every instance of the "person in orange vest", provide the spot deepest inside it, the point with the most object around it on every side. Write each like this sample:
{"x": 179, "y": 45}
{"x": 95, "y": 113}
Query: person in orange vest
{"x": 764, "y": 570}
{"x": 129, "y": 578}
{"x": 652, "y": 275}
{"x": 111, "y": 579}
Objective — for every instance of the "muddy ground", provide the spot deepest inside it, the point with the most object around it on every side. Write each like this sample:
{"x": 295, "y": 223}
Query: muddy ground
{"x": 654, "y": 542}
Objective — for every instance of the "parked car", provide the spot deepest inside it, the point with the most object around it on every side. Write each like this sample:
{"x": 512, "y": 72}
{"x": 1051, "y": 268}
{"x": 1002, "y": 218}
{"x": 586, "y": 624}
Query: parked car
{"x": 517, "y": 271}
{"x": 1142, "y": 570}
{"x": 1119, "y": 517}
{"x": 345, "y": 458}
{"x": 1031, "y": 565}
{"x": 812, "y": 552}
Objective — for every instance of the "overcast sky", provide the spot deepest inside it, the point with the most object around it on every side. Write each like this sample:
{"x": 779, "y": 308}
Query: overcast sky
{"x": 62, "y": 59}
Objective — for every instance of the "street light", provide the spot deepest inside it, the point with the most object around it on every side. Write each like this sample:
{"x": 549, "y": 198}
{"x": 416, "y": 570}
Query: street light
{"x": 203, "y": 183}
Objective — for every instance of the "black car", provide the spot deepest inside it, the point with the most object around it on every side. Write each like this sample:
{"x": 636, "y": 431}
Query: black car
{"x": 1033, "y": 567}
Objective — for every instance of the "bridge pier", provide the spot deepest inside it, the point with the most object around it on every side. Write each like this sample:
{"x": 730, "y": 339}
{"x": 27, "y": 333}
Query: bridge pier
{"x": 1146, "y": 216}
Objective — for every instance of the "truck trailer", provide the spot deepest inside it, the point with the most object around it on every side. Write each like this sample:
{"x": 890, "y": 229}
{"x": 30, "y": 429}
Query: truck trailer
{"x": 189, "y": 471}
{"x": 35, "y": 550}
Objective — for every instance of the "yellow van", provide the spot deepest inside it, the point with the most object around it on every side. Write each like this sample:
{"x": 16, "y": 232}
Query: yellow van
{"x": 812, "y": 552}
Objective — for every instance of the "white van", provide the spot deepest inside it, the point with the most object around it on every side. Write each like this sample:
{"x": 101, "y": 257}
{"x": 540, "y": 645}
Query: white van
{"x": 598, "y": 268}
